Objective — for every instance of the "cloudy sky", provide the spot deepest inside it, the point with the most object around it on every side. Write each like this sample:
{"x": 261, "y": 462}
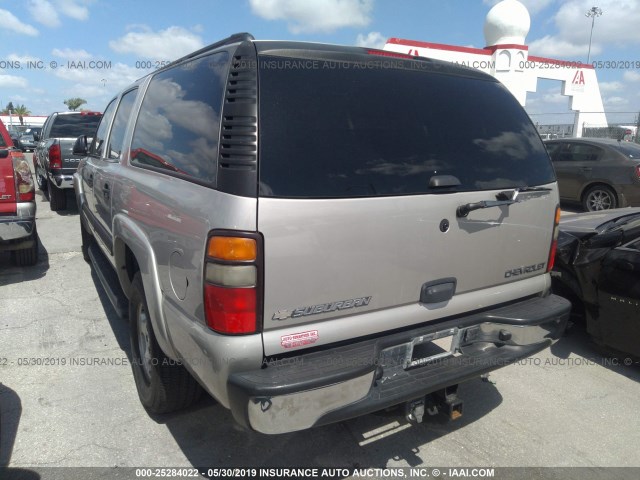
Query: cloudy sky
{"x": 118, "y": 41}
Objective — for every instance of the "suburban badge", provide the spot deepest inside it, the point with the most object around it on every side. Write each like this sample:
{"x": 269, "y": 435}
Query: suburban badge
{"x": 283, "y": 314}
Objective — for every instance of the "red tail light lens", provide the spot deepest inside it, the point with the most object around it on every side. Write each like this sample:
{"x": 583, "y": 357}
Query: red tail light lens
{"x": 638, "y": 172}
{"x": 230, "y": 310}
{"x": 25, "y": 188}
{"x": 55, "y": 157}
{"x": 232, "y": 286}
{"x": 554, "y": 241}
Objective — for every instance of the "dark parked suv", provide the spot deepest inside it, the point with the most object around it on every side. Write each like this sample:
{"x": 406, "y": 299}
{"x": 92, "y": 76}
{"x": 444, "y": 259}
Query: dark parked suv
{"x": 313, "y": 232}
{"x": 598, "y": 173}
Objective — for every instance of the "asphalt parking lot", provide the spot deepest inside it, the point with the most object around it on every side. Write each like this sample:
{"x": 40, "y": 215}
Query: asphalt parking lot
{"x": 67, "y": 395}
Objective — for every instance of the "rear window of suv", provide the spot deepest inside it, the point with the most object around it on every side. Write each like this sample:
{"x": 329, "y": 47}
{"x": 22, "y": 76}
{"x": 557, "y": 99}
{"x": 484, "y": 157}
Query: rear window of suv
{"x": 74, "y": 125}
{"x": 352, "y": 132}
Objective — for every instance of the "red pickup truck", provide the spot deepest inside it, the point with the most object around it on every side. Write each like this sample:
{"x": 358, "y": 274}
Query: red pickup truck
{"x": 17, "y": 204}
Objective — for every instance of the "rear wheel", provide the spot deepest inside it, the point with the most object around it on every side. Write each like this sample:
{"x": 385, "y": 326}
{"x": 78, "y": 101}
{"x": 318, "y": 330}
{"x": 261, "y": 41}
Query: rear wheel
{"x": 42, "y": 183}
{"x": 57, "y": 198}
{"x": 599, "y": 197}
{"x": 163, "y": 385}
{"x": 27, "y": 256}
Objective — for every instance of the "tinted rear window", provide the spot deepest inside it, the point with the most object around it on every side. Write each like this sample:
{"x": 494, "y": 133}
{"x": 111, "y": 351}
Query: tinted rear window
{"x": 347, "y": 132}
{"x": 72, "y": 126}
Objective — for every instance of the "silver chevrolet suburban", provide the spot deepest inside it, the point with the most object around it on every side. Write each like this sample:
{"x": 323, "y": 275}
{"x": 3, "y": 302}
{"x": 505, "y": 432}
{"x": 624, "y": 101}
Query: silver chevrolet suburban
{"x": 314, "y": 232}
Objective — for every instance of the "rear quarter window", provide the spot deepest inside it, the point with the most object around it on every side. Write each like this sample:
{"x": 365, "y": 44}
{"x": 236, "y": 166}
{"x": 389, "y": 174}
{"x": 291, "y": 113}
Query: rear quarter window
{"x": 178, "y": 125}
{"x": 349, "y": 132}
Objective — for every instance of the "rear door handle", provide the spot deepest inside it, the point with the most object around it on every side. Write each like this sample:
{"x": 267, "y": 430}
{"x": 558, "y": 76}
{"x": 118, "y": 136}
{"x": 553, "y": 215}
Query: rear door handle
{"x": 106, "y": 192}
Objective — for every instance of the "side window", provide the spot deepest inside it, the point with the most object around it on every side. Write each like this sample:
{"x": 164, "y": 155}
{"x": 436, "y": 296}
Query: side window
{"x": 116, "y": 139}
{"x": 552, "y": 148}
{"x": 563, "y": 153}
{"x": 584, "y": 153}
{"x": 45, "y": 128}
{"x": 179, "y": 121}
{"x": 98, "y": 143}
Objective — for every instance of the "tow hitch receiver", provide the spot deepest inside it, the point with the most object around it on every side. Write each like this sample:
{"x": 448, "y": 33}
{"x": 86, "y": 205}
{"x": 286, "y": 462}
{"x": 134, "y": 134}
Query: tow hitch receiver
{"x": 444, "y": 401}
{"x": 448, "y": 402}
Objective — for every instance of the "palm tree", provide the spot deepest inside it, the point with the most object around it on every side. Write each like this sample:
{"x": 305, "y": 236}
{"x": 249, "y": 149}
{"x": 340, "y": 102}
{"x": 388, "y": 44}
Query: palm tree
{"x": 21, "y": 111}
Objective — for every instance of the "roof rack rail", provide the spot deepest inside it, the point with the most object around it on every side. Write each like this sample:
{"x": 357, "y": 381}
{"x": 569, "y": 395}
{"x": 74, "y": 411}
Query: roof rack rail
{"x": 236, "y": 37}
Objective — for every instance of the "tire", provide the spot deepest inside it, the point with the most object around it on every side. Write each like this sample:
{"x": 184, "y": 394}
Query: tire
{"x": 57, "y": 198}
{"x": 163, "y": 385}
{"x": 599, "y": 197}
{"x": 42, "y": 183}
{"x": 86, "y": 242}
{"x": 26, "y": 257}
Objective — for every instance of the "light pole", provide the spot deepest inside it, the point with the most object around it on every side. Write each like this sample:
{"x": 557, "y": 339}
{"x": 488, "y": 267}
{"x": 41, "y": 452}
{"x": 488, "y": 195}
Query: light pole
{"x": 593, "y": 13}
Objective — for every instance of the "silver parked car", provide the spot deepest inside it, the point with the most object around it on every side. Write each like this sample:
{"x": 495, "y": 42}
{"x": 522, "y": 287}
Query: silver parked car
{"x": 598, "y": 173}
{"x": 313, "y": 232}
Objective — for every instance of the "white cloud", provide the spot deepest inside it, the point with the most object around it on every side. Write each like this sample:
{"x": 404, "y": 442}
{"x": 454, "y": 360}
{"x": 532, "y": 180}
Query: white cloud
{"x": 10, "y": 22}
{"x": 44, "y": 12}
{"x": 618, "y": 26}
{"x": 372, "y": 39}
{"x": 13, "y": 81}
{"x": 22, "y": 58}
{"x": 553, "y": 46}
{"x": 71, "y": 54}
{"x": 74, "y": 8}
{"x": 114, "y": 78}
{"x": 48, "y": 12}
{"x": 168, "y": 44}
{"x": 86, "y": 91}
{"x": 631, "y": 76}
{"x": 315, "y": 15}
{"x": 555, "y": 98}
{"x": 614, "y": 102}
{"x": 606, "y": 87}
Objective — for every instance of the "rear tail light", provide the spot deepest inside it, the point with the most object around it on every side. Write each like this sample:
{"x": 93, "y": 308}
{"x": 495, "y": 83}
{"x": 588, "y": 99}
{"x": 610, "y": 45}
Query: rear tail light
{"x": 25, "y": 188}
{"x": 232, "y": 282}
{"x": 638, "y": 172}
{"x": 55, "y": 157}
{"x": 554, "y": 240}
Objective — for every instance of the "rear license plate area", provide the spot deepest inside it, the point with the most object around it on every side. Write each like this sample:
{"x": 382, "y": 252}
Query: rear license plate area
{"x": 426, "y": 349}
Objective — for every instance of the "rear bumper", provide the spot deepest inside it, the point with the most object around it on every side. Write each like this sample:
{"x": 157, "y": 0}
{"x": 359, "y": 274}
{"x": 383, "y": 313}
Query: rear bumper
{"x": 20, "y": 226}
{"x": 327, "y": 386}
{"x": 61, "y": 180}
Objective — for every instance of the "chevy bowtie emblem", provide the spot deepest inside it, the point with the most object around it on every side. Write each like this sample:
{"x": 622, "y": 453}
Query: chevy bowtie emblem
{"x": 282, "y": 315}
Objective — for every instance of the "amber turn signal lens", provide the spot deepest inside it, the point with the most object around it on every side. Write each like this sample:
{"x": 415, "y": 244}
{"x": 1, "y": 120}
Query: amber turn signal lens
{"x": 236, "y": 249}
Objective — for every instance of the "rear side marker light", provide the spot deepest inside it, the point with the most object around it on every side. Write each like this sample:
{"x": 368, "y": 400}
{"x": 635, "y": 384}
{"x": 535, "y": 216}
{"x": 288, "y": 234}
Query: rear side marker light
{"x": 232, "y": 289}
{"x": 554, "y": 241}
